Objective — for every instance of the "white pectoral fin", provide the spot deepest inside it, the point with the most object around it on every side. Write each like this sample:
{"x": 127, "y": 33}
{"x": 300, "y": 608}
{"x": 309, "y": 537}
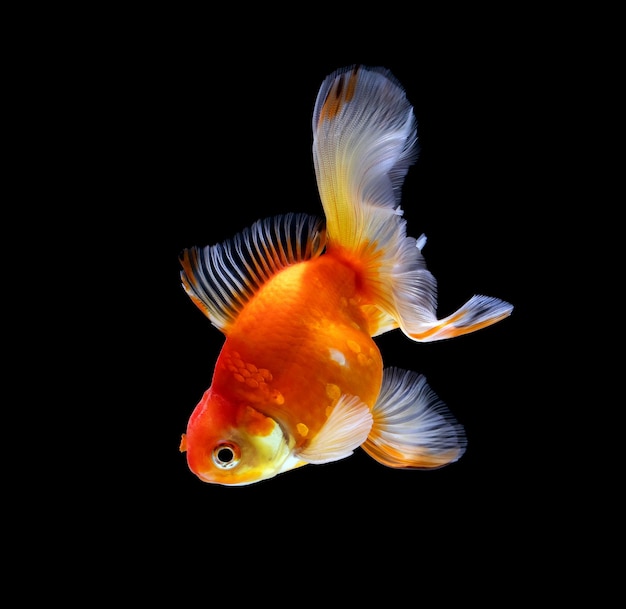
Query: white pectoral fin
{"x": 347, "y": 427}
{"x": 412, "y": 427}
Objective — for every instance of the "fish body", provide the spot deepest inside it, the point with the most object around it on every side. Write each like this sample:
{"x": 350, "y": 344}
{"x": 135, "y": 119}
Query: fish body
{"x": 299, "y": 379}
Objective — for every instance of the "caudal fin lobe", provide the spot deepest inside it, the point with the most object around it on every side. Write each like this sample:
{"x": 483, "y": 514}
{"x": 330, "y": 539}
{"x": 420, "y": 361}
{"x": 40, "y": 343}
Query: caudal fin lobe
{"x": 364, "y": 141}
{"x": 477, "y": 313}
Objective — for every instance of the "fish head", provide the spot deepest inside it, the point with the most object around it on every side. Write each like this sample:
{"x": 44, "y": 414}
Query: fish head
{"x": 232, "y": 443}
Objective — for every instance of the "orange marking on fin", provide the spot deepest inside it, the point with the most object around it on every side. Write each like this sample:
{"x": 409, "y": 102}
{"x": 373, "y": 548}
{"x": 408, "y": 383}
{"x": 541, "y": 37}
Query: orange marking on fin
{"x": 339, "y": 94}
{"x": 183, "y": 443}
{"x": 351, "y": 88}
{"x": 438, "y": 327}
{"x": 453, "y": 331}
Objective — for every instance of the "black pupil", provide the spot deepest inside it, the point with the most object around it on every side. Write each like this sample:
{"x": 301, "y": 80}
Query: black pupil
{"x": 225, "y": 454}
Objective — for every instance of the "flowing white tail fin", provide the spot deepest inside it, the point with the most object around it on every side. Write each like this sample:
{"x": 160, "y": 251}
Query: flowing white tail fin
{"x": 364, "y": 141}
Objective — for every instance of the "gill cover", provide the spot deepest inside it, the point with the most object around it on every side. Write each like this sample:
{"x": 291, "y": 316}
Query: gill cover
{"x": 234, "y": 444}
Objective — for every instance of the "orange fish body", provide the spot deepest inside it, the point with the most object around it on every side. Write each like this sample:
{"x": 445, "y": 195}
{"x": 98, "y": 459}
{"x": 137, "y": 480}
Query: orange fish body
{"x": 299, "y": 379}
{"x": 307, "y": 350}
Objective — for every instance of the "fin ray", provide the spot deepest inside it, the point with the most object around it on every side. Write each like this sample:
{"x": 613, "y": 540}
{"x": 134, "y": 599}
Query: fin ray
{"x": 220, "y": 279}
{"x": 379, "y": 321}
{"x": 364, "y": 141}
{"x": 347, "y": 428}
{"x": 477, "y": 313}
{"x": 413, "y": 429}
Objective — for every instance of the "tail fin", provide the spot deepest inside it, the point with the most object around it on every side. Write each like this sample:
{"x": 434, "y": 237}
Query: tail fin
{"x": 364, "y": 141}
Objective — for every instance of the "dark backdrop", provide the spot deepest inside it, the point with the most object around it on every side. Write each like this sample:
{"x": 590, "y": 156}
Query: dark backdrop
{"x": 199, "y": 146}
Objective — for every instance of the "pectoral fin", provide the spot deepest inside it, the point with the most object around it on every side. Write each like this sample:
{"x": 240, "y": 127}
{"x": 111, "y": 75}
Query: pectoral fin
{"x": 347, "y": 427}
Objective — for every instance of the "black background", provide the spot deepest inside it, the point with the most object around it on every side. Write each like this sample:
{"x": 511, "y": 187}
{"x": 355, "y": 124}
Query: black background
{"x": 218, "y": 147}
{"x": 196, "y": 142}
{"x": 232, "y": 144}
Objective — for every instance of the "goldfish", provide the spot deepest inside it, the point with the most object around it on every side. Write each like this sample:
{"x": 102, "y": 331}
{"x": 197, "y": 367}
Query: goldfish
{"x": 299, "y": 379}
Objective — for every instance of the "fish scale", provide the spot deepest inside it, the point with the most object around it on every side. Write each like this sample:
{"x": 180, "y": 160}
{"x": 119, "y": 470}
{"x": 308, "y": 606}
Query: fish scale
{"x": 300, "y": 380}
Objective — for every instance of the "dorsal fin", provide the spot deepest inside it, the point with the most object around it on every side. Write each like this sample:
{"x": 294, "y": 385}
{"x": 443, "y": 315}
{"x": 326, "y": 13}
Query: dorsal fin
{"x": 220, "y": 279}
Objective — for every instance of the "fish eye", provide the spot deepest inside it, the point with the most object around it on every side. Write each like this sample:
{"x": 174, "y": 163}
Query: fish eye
{"x": 226, "y": 455}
